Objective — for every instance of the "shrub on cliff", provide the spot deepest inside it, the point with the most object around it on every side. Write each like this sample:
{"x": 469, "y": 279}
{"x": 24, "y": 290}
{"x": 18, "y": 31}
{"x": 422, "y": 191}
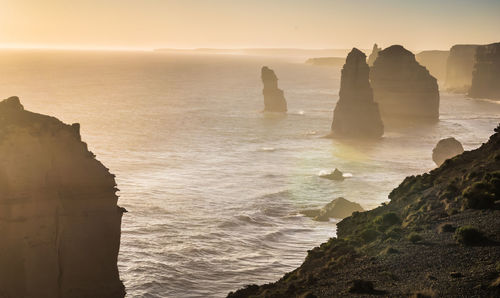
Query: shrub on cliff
{"x": 469, "y": 236}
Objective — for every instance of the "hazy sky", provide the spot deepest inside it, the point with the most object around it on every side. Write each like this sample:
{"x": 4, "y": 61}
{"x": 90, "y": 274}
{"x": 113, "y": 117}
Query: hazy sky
{"x": 417, "y": 24}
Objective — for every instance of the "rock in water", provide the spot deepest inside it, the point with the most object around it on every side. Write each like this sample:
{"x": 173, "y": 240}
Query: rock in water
{"x": 337, "y": 208}
{"x": 373, "y": 56}
{"x": 356, "y": 114}
{"x": 486, "y": 75}
{"x": 335, "y": 175}
{"x": 459, "y": 68}
{"x": 445, "y": 149}
{"x": 274, "y": 100}
{"x": 59, "y": 219}
{"x": 403, "y": 88}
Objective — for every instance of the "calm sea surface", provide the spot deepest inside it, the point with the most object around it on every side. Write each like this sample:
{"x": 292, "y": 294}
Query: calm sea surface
{"x": 213, "y": 187}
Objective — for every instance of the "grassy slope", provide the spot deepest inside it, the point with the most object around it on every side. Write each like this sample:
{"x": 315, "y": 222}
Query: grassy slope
{"x": 409, "y": 246}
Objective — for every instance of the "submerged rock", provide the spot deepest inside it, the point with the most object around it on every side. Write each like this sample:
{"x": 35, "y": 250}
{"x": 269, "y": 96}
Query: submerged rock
{"x": 338, "y": 208}
{"x": 335, "y": 175}
{"x": 59, "y": 219}
{"x": 403, "y": 88}
{"x": 374, "y": 54}
{"x": 435, "y": 62}
{"x": 274, "y": 99}
{"x": 459, "y": 67}
{"x": 356, "y": 115}
{"x": 445, "y": 149}
{"x": 486, "y": 75}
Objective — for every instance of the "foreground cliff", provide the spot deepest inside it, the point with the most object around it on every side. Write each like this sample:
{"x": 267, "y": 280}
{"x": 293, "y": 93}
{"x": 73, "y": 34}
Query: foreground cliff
{"x": 486, "y": 75}
{"x": 274, "y": 99}
{"x": 439, "y": 236}
{"x": 356, "y": 115}
{"x": 404, "y": 89}
{"x": 59, "y": 219}
{"x": 459, "y": 67}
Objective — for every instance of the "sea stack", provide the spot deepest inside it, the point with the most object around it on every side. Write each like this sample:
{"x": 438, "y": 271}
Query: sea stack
{"x": 446, "y": 149}
{"x": 274, "y": 99}
{"x": 459, "y": 68}
{"x": 373, "y": 56}
{"x": 60, "y": 222}
{"x": 404, "y": 89}
{"x": 356, "y": 115}
{"x": 486, "y": 75}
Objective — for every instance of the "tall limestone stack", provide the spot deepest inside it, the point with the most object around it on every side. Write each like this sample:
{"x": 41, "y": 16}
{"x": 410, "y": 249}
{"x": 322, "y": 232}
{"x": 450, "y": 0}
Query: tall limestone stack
{"x": 373, "y": 56}
{"x": 274, "y": 99}
{"x": 404, "y": 89}
{"x": 459, "y": 68}
{"x": 356, "y": 115}
{"x": 486, "y": 75}
{"x": 59, "y": 219}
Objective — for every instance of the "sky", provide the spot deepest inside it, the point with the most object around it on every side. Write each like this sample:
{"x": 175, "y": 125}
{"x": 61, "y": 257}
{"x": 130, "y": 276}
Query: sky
{"x": 149, "y": 24}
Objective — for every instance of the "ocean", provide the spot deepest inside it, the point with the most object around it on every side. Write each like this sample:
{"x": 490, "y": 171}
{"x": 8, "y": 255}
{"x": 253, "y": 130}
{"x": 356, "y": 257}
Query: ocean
{"x": 212, "y": 185}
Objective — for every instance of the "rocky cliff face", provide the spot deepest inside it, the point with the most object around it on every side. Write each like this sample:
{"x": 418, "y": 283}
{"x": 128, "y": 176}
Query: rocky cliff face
{"x": 356, "y": 115}
{"x": 437, "y": 237}
{"x": 403, "y": 88}
{"x": 435, "y": 62}
{"x": 274, "y": 99}
{"x": 374, "y": 54}
{"x": 459, "y": 68}
{"x": 486, "y": 75}
{"x": 59, "y": 219}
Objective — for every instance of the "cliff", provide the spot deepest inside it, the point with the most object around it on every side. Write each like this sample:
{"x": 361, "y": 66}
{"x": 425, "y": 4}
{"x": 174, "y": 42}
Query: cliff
{"x": 274, "y": 99}
{"x": 403, "y": 88}
{"x": 459, "y": 68}
{"x": 439, "y": 236}
{"x": 59, "y": 219}
{"x": 435, "y": 62}
{"x": 486, "y": 75}
{"x": 374, "y": 54}
{"x": 356, "y": 115}
{"x": 326, "y": 61}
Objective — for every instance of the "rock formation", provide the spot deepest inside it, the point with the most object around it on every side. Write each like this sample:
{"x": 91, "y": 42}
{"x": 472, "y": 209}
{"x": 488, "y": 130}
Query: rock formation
{"x": 274, "y": 100}
{"x": 435, "y": 62}
{"x": 374, "y": 54}
{"x": 336, "y": 175}
{"x": 356, "y": 115}
{"x": 440, "y": 231}
{"x": 445, "y": 149}
{"x": 403, "y": 88}
{"x": 337, "y": 208}
{"x": 459, "y": 68}
{"x": 59, "y": 219}
{"x": 486, "y": 75}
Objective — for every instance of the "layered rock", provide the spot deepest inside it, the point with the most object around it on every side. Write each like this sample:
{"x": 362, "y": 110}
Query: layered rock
{"x": 59, "y": 219}
{"x": 459, "y": 68}
{"x": 374, "y": 54}
{"x": 274, "y": 99}
{"x": 338, "y": 208}
{"x": 435, "y": 62}
{"x": 446, "y": 149}
{"x": 356, "y": 115}
{"x": 486, "y": 75}
{"x": 403, "y": 88}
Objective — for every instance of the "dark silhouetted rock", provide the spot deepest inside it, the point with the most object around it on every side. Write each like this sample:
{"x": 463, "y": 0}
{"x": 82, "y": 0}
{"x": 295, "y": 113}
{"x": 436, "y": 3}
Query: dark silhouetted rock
{"x": 445, "y": 149}
{"x": 459, "y": 68}
{"x": 435, "y": 62}
{"x": 486, "y": 75}
{"x": 338, "y": 208}
{"x": 326, "y": 61}
{"x": 356, "y": 115}
{"x": 274, "y": 100}
{"x": 335, "y": 175}
{"x": 403, "y": 88}
{"x": 59, "y": 219}
{"x": 374, "y": 54}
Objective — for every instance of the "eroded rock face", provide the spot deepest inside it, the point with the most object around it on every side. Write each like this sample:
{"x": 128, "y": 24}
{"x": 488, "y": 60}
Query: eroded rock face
{"x": 486, "y": 75}
{"x": 445, "y": 149}
{"x": 337, "y": 208}
{"x": 356, "y": 115}
{"x": 374, "y": 54}
{"x": 435, "y": 62}
{"x": 403, "y": 88}
{"x": 59, "y": 219}
{"x": 459, "y": 68}
{"x": 274, "y": 99}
